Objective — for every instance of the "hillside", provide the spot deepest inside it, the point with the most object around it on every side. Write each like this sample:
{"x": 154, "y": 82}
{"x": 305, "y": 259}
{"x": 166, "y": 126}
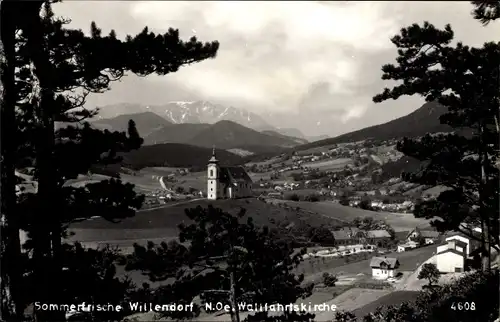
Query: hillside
{"x": 175, "y": 133}
{"x": 394, "y": 169}
{"x": 297, "y": 139}
{"x": 291, "y": 132}
{"x": 228, "y": 135}
{"x": 418, "y": 123}
{"x": 317, "y": 138}
{"x": 176, "y": 155}
{"x": 146, "y": 122}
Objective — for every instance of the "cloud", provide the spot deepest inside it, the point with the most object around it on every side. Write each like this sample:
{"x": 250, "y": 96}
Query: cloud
{"x": 273, "y": 52}
{"x": 319, "y": 58}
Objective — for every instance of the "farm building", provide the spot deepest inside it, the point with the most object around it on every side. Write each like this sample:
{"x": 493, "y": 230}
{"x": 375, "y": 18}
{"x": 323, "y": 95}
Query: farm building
{"x": 464, "y": 241}
{"x": 377, "y": 237}
{"x": 346, "y": 236}
{"x": 353, "y": 236}
{"x": 384, "y": 267}
{"x": 429, "y": 236}
{"x": 457, "y": 253}
{"x": 450, "y": 261}
{"x": 406, "y": 247}
{"x": 454, "y": 245}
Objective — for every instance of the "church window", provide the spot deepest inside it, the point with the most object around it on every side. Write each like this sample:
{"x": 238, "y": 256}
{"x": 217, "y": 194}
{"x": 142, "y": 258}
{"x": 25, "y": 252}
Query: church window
{"x": 211, "y": 189}
{"x": 211, "y": 172}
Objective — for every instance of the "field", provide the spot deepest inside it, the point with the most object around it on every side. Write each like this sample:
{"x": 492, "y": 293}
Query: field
{"x": 329, "y": 165}
{"x": 161, "y": 223}
{"x": 159, "y": 171}
{"x": 143, "y": 179}
{"x": 196, "y": 180}
{"x": 256, "y": 177}
{"x": 319, "y": 149}
{"x": 399, "y": 222}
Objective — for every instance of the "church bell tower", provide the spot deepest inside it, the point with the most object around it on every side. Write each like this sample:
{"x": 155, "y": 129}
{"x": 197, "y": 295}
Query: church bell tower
{"x": 213, "y": 177}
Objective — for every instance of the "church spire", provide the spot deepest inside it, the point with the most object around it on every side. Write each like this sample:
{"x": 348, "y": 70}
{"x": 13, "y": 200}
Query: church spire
{"x": 213, "y": 159}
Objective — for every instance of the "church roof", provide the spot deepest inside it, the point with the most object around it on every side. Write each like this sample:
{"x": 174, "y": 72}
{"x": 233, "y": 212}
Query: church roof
{"x": 233, "y": 174}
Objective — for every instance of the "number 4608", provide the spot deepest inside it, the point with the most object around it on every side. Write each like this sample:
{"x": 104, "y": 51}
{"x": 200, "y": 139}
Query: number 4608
{"x": 463, "y": 306}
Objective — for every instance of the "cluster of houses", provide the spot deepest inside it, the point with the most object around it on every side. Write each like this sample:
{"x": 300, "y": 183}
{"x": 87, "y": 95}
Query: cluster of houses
{"x": 417, "y": 238}
{"x": 354, "y": 236}
{"x": 456, "y": 254}
{"x": 287, "y": 186}
{"x": 405, "y": 205}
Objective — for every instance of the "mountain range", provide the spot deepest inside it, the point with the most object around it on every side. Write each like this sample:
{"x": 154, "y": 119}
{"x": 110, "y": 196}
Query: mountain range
{"x": 200, "y": 112}
{"x": 170, "y": 134}
{"x": 223, "y": 134}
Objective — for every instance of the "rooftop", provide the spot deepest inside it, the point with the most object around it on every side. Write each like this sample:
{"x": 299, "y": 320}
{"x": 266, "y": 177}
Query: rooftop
{"x": 234, "y": 174}
{"x": 378, "y": 234}
{"x": 384, "y": 262}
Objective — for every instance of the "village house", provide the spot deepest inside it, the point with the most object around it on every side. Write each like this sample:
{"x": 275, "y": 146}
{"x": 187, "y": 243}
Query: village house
{"x": 377, "y": 237}
{"x": 346, "y": 236}
{"x": 407, "y": 246}
{"x": 384, "y": 267}
{"x": 429, "y": 236}
{"x": 451, "y": 256}
{"x": 227, "y": 182}
{"x": 354, "y": 236}
{"x": 457, "y": 253}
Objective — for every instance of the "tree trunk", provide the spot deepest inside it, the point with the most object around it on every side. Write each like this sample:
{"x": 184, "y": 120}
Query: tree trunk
{"x": 10, "y": 278}
{"x": 44, "y": 101}
{"x": 235, "y": 314}
{"x": 484, "y": 210}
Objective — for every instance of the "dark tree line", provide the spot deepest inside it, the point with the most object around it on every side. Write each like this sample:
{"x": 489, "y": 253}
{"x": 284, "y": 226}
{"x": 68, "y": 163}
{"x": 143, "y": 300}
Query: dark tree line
{"x": 466, "y": 81}
{"x": 47, "y": 72}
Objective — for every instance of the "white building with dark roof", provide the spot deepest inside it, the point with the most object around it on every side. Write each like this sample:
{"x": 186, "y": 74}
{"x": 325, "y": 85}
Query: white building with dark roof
{"x": 384, "y": 267}
{"x": 456, "y": 253}
{"x": 451, "y": 256}
{"x": 227, "y": 182}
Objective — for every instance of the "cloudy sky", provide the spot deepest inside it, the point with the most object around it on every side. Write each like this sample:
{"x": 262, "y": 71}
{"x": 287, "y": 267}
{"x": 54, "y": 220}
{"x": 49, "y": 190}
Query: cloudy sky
{"x": 318, "y": 60}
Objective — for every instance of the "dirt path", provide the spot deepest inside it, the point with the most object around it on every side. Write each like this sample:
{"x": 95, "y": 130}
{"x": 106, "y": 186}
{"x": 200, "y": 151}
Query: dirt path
{"x": 412, "y": 283}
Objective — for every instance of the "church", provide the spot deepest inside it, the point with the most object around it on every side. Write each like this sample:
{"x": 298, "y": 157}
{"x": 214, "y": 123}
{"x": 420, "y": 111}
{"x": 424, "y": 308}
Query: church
{"x": 227, "y": 182}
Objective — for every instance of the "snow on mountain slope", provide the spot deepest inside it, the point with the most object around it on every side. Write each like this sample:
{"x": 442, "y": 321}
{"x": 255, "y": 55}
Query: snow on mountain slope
{"x": 191, "y": 112}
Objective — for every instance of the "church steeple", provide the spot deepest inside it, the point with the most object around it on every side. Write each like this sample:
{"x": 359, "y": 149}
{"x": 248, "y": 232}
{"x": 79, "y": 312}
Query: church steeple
{"x": 213, "y": 159}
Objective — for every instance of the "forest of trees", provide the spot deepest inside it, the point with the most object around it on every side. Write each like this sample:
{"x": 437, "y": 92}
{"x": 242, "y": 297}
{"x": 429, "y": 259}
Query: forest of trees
{"x": 48, "y": 70}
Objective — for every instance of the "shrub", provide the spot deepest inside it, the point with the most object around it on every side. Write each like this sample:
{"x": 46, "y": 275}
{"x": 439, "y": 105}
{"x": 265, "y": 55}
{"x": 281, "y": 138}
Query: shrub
{"x": 311, "y": 198}
{"x": 292, "y": 197}
{"x": 329, "y": 280}
{"x": 344, "y": 202}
